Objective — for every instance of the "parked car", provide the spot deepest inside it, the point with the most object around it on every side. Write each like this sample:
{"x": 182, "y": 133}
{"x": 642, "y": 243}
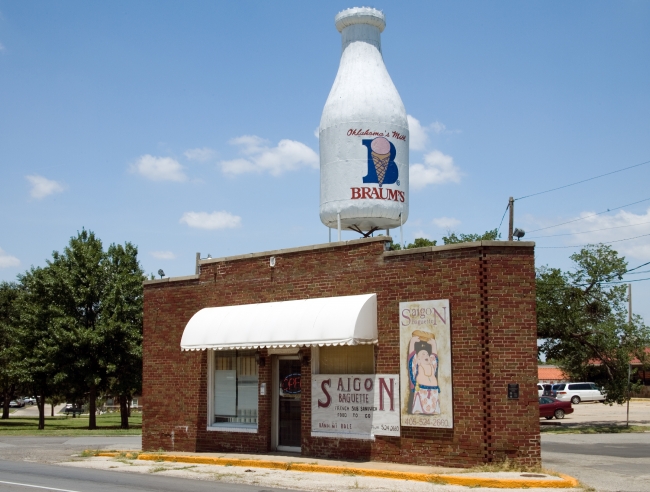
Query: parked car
{"x": 16, "y": 403}
{"x": 29, "y": 400}
{"x": 550, "y": 407}
{"x": 544, "y": 389}
{"x": 577, "y": 392}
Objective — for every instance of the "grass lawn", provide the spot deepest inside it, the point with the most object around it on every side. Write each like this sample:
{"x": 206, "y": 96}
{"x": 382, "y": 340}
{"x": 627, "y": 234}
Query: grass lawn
{"x": 594, "y": 429}
{"x": 108, "y": 425}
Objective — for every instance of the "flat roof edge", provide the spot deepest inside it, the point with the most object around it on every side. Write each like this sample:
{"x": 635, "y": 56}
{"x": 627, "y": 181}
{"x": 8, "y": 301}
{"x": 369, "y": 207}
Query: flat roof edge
{"x": 448, "y": 247}
{"x": 299, "y": 249}
{"x": 337, "y": 244}
{"x": 170, "y": 279}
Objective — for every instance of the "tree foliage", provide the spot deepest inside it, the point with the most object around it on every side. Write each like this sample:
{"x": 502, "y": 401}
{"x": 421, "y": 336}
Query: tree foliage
{"x": 123, "y": 314}
{"x": 81, "y": 322}
{"x": 419, "y": 242}
{"x": 582, "y": 320}
{"x": 41, "y": 340}
{"x": 452, "y": 238}
{"x": 9, "y": 345}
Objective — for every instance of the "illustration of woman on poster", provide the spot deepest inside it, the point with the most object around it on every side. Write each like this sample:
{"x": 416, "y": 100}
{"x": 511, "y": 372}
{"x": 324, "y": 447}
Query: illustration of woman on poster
{"x": 423, "y": 374}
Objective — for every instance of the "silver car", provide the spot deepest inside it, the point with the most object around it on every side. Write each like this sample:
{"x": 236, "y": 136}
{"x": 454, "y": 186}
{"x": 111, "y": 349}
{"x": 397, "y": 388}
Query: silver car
{"x": 577, "y": 392}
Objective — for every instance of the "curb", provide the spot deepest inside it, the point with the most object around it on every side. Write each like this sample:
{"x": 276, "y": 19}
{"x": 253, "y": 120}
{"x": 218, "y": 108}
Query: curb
{"x": 501, "y": 483}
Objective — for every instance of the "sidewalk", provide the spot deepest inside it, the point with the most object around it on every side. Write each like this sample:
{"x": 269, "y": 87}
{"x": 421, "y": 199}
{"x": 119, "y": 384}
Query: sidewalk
{"x": 414, "y": 473}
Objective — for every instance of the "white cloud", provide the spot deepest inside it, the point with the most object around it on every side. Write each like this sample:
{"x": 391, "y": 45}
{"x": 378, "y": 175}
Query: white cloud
{"x": 163, "y": 255}
{"x": 419, "y": 134}
{"x": 238, "y": 166}
{"x": 438, "y": 127}
{"x": 203, "y": 154}
{"x": 8, "y": 261}
{"x": 446, "y": 222}
{"x": 621, "y": 225}
{"x": 438, "y": 168}
{"x": 215, "y": 220}
{"x": 159, "y": 168}
{"x": 42, "y": 187}
{"x": 250, "y": 144}
{"x": 288, "y": 155}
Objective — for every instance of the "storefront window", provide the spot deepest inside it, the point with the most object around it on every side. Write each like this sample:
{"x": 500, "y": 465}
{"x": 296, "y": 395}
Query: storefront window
{"x": 347, "y": 359}
{"x": 235, "y": 389}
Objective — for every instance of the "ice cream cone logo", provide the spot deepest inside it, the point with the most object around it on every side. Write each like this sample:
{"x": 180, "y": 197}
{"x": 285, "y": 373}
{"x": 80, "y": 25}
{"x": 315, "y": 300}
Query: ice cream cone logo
{"x": 380, "y": 151}
{"x": 381, "y": 162}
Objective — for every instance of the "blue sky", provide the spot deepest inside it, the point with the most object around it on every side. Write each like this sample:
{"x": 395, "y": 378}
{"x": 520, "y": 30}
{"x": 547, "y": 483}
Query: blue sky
{"x": 142, "y": 120}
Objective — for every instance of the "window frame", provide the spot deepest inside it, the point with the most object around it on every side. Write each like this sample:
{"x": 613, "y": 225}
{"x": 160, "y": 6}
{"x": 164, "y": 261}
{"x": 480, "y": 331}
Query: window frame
{"x": 210, "y": 417}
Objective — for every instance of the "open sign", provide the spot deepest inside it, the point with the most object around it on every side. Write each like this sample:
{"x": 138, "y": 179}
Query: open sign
{"x": 291, "y": 384}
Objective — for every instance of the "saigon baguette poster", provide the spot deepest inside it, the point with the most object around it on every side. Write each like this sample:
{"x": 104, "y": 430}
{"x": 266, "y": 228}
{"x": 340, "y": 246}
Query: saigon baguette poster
{"x": 425, "y": 364}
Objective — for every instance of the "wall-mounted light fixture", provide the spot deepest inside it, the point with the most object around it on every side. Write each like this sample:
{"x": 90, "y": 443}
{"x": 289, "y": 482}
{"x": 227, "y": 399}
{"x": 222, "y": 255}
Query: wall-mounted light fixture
{"x": 305, "y": 359}
{"x": 259, "y": 359}
{"x": 272, "y": 261}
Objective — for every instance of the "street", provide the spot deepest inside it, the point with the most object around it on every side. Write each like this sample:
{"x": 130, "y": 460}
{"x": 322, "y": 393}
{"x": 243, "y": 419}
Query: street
{"x": 606, "y": 462}
{"x": 21, "y": 476}
{"x": 53, "y": 449}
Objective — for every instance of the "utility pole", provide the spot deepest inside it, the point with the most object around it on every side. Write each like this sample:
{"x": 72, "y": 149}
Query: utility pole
{"x": 629, "y": 364}
{"x": 511, "y": 206}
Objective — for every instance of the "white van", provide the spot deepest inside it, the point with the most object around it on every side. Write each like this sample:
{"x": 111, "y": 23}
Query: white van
{"x": 577, "y": 392}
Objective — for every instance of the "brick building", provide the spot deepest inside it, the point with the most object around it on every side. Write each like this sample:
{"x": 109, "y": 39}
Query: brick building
{"x": 238, "y": 397}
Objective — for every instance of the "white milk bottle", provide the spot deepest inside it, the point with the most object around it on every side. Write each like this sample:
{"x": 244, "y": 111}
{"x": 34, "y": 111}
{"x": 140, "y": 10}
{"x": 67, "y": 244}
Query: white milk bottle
{"x": 364, "y": 136}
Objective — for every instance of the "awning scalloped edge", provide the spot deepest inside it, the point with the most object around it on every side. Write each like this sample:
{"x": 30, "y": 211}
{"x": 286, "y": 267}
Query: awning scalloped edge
{"x": 268, "y": 346}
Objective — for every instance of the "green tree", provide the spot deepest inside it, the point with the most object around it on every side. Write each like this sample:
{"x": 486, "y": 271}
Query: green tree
{"x": 452, "y": 238}
{"x": 95, "y": 299}
{"x": 419, "y": 242}
{"x": 78, "y": 282}
{"x": 122, "y": 315}
{"x": 583, "y": 322}
{"x": 10, "y": 347}
{"x": 41, "y": 336}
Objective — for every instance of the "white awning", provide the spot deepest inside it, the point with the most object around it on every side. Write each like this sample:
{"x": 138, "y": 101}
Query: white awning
{"x": 348, "y": 320}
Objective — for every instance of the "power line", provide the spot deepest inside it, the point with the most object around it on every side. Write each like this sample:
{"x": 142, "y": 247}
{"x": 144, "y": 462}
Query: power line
{"x": 586, "y": 232}
{"x": 637, "y": 267}
{"x": 627, "y": 281}
{"x": 588, "y": 216}
{"x": 642, "y": 271}
{"x": 584, "y": 180}
{"x": 503, "y": 217}
{"x": 569, "y": 287}
{"x": 583, "y": 245}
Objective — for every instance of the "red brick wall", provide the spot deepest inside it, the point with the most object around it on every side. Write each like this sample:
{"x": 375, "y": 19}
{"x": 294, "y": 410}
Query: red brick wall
{"x": 491, "y": 290}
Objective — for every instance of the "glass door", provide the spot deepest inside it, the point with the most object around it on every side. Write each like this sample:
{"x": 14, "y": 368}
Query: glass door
{"x": 289, "y": 404}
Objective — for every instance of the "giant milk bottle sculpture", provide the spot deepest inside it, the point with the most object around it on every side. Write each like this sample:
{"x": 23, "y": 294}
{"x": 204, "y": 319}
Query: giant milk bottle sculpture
{"x": 364, "y": 136}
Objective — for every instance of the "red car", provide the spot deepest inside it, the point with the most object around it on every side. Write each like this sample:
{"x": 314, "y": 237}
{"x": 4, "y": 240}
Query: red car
{"x": 550, "y": 407}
